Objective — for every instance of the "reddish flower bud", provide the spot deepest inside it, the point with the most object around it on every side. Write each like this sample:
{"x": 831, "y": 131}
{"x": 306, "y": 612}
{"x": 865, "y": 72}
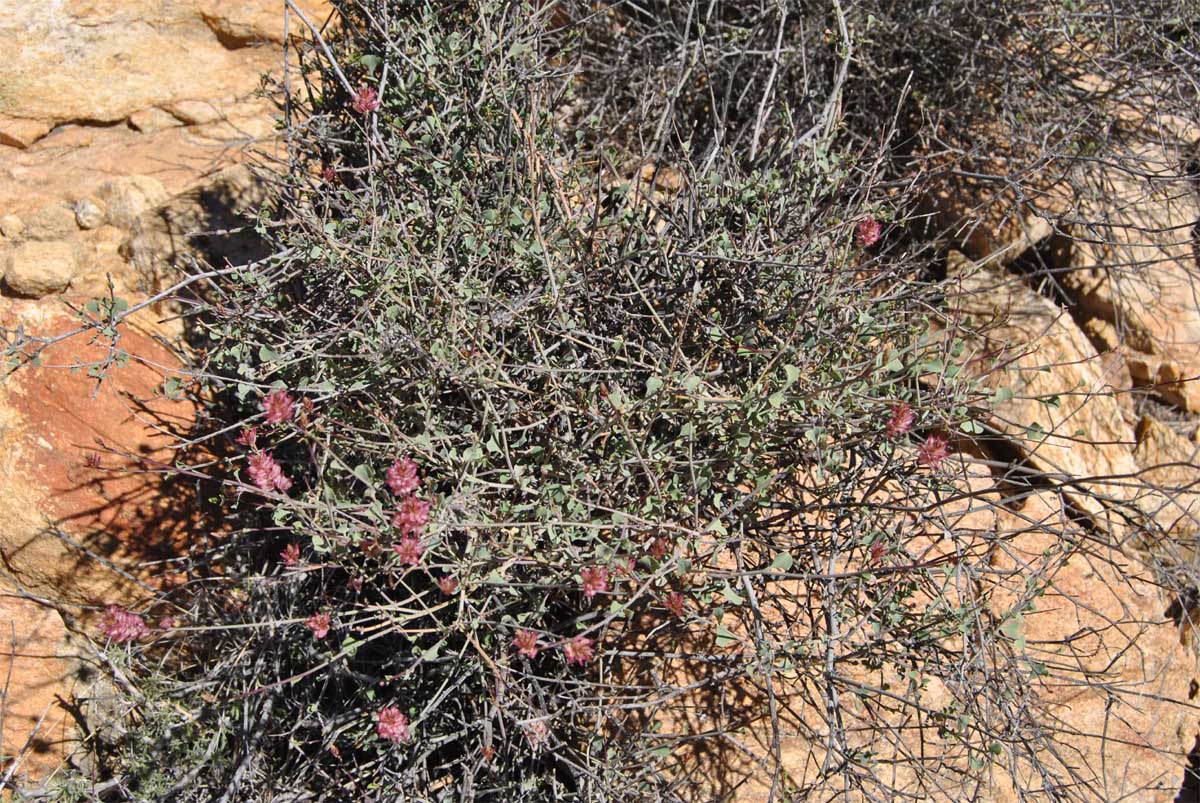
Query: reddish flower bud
{"x": 290, "y": 555}
{"x": 932, "y": 452}
{"x": 901, "y": 421}
{"x": 526, "y": 642}
{"x": 365, "y": 100}
{"x": 868, "y": 232}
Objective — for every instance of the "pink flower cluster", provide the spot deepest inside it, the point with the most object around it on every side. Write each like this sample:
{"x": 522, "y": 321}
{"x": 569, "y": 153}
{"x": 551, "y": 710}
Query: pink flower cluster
{"x": 278, "y": 406}
{"x": 868, "y": 232}
{"x": 266, "y": 473}
{"x": 526, "y": 642}
{"x": 901, "y": 421}
{"x": 594, "y": 581}
{"x": 412, "y": 514}
{"x": 579, "y": 650}
{"x": 932, "y": 452}
{"x": 366, "y": 99}
{"x": 122, "y": 626}
{"x": 392, "y": 724}
{"x": 319, "y": 624}
{"x": 402, "y": 477}
{"x": 409, "y": 550}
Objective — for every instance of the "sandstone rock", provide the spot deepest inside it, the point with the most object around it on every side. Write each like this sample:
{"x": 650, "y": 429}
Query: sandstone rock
{"x": 130, "y": 197}
{"x": 88, "y": 214}
{"x": 243, "y": 24}
{"x": 12, "y": 226}
{"x": 40, "y": 671}
{"x": 1132, "y": 263}
{"x": 58, "y": 509}
{"x": 193, "y": 112}
{"x": 1055, "y": 396}
{"x": 19, "y": 133}
{"x": 1120, "y": 679}
{"x": 153, "y": 119}
{"x": 1171, "y": 462}
{"x": 35, "y": 269}
{"x": 53, "y": 221}
{"x": 112, "y": 58}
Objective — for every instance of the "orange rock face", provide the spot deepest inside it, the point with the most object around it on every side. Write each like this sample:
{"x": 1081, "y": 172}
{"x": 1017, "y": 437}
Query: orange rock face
{"x": 84, "y": 504}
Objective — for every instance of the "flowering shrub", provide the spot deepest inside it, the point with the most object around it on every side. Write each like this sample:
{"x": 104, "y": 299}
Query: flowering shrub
{"x": 609, "y": 415}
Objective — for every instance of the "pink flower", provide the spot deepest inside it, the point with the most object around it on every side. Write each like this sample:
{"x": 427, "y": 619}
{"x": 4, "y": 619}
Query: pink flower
{"x": 328, "y": 173}
{"x": 901, "y": 421}
{"x": 402, "y": 477}
{"x": 411, "y": 516}
{"x": 391, "y": 724}
{"x": 290, "y": 554}
{"x": 366, "y": 99}
{"x": 266, "y": 473}
{"x": 526, "y": 642}
{"x": 868, "y": 232}
{"x": 595, "y": 580}
{"x": 167, "y": 623}
{"x": 579, "y": 650}
{"x": 278, "y": 406}
{"x": 675, "y": 604}
{"x": 932, "y": 452}
{"x": 248, "y": 438}
{"x": 122, "y": 626}
{"x": 410, "y": 550}
{"x": 447, "y": 584}
{"x": 318, "y": 623}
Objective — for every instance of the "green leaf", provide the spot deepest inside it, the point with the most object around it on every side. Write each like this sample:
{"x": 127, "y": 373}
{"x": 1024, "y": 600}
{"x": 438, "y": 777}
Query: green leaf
{"x": 783, "y": 561}
{"x": 725, "y": 637}
{"x": 732, "y": 596}
{"x": 363, "y": 472}
{"x": 792, "y": 373}
{"x": 432, "y": 652}
{"x": 1001, "y": 396}
{"x": 653, "y": 385}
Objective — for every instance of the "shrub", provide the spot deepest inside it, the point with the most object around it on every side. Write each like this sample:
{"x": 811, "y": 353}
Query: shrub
{"x": 580, "y": 417}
